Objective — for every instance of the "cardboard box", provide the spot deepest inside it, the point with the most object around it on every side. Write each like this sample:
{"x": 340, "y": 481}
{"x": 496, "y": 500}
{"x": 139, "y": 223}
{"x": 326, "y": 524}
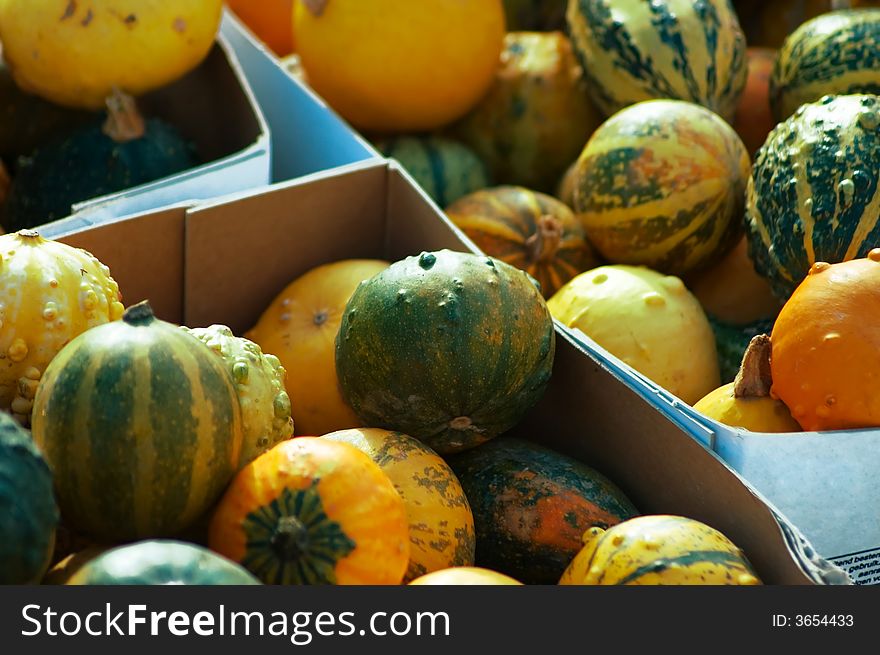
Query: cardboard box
{"x": 224, "y": 262}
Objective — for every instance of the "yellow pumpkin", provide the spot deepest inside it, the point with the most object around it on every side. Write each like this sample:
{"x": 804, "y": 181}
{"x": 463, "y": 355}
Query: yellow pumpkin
{"x": 465, "y": 575}
{"x": 49, "y": 293}
{"x": 314, "y": 511}
{"x": 76, "y": 53}
{"x": 300, "y": 328}
{"x": 441, "y": 526}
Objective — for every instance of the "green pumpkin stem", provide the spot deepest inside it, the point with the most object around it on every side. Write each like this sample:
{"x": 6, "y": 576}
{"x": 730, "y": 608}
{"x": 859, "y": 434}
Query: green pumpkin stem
{"x": 754, "y": 378}
{"x": 291, "y": 539}
{"x": 544, "y": 243}
{"x": 124, "y": 121}
{"x": 140, "y": 314}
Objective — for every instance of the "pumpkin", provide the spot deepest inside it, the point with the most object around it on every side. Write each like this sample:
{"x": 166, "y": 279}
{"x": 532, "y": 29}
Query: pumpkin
{"x": 812, "y": 196}
{"x": 314, "y": 511}
{"x": 49, "y": 293}
{"x": 659, "y": 550}
{"x": 754, "y": 119}
{"x": 161, "y": 562}
{"x": 833, "y": 54}
{"x": 444, "y": 57}
{"x": 633, "y": 51}
{"x": 465, "y": 575}
{"x": 28, "y": 513}
{"x": 732, "y": 341}
{"x": 141, "y": 426}
{"x": 649, "y": 321}
{"x": 441, "y": 526}
{"x": 76, "y": 54}
{"x": 445, "y": 169}
{"x": 270, "y": 20}
{"x": 531, "y": 505}
{"x": 825, "y": 347}
{"x": 537, "y": 115}
{"x": 662, "y": 184}
{"x": 259, "y": 383}
{"x": 733, "y": 292}
{"x": 300, "y": 327}
{"x": 539, "y": 15}
{"x": 450, "y": 348}
{"x": 746, "y": 402}
{"x": 526, "y": 229}
{"x": 102, "y": 158}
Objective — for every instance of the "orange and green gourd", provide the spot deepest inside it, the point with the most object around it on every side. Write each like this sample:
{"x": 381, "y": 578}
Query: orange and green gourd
{"x": 314, "y": 511}
{"x": 662, "y": 184}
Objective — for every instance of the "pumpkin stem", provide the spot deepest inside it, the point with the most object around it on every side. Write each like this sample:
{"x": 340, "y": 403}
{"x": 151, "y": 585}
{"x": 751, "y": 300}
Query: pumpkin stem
{"x": 544, "y": 243}
{"x": 124, "y": 121}
{"x": 754, "y": 379}
{"x": 316, "y": 6}
{"x": 140, "y": 314}
{"x": 291, "y": 539}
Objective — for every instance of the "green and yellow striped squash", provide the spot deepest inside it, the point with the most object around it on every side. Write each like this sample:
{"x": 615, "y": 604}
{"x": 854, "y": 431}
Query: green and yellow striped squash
{"x": 834, "y": 54}
{"x": 634, "y": 50}
{"x": 813, "y": 195}
{"x": 141, "y": 426}
{"x": 662, "y": 184}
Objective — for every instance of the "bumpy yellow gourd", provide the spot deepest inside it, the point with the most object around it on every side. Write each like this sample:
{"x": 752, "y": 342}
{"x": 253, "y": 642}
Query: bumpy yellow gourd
{"x": 649, "y": 321}
{"x": 259, "y": 384}
{"x": 49, "y": 293}
{"x": 76, "y": 53}
{"x": 659, "y": 550}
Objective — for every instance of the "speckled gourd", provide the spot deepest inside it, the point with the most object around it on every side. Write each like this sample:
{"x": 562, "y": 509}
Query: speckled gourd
{"x": 49, "y": 293}
{"x": 259, "y": 383}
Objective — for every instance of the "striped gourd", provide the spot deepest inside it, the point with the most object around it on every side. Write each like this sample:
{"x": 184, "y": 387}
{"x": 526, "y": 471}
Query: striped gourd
{"x": 662, "y": 184}
{"x": 813, "y": 194}
{"x": 634, "y": 50}
{"x": 445, "y": 169}
{"x": 526, "y": 229}
{"x": 834, "y": 54}
{"x": 141, "y": 426}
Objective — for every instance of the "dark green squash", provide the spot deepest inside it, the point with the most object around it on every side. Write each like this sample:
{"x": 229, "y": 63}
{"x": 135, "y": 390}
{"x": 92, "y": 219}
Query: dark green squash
{"x": 28, "y": 513}
{"x": 732, "y": 341}
{"x": 532, "y": 505}
{"x": 161, "y": 562}
{"x": 447, "y": 347}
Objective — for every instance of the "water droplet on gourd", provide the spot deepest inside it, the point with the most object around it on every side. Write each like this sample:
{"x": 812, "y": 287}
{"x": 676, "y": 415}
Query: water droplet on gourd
{"x": 427, "y": 260}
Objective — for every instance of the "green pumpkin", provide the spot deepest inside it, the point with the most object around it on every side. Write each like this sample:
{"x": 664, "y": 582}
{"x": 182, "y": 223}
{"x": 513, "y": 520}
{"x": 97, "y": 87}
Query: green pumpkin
{"x": 532, "y": 506}
{"x": 141, "y": 425}
{"x": 447, "y": 347}
{"x": 732, "y": 341}
{"x": 161, "y": 562}
{"x": 813, "y": 193}
{"x": 535, "y": 15}
{"x": 635, "y": 50}
{"x": 837, "y": 53}
{"x": 28, "y": 513}
{"x": 445, "y": 169}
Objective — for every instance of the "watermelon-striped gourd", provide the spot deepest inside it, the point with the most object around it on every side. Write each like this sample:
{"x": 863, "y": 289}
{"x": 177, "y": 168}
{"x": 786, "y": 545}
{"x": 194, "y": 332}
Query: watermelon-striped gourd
{"x": 837, "y": 53}
{"x": 813, "y": 195}
{"x": 635, "y": 50}
{"x": 141, "y": 426}
{"x": 662, "y": 184}
{"x": 445, "y": 169}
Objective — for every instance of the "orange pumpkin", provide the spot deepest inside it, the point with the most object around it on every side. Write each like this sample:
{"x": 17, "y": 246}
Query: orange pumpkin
{"x": 754, "y": 119}
{"x": 825, "y": 359}
{"x": 465, "y": 575}
{"x": 314, "y": 511}
{"x": 300, "y": 327}
{"x": 270, "y": 20}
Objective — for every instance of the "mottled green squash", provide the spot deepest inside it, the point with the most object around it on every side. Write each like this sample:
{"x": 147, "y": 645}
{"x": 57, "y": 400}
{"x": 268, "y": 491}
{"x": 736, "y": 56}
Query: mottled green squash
{"x": 813, "y": 195}
{"x": 532, "y": 505}
{"x": 538, "y": 15}
{"x": 450, "y": 348}
{"x": 161, "y": 562}
{"x": 635, "y": 50}
{"x": 732, "y": 341}
{"x": 28, "y": 513}
{"x": 837, "y": 53}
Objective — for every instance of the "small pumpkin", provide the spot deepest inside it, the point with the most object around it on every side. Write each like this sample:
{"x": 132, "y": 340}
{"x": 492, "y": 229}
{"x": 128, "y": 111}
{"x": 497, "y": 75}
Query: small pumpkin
{"x": 441, "y": 526}
{"x": 49, "y": 294}
{"x": 529, "y": 230}
{"x": 746, "y": 403}
{"x": 314, "y": 511}
{"x": 141, "y": 425}
{"x": 465, "y": 575}
{"x": 659, "y": 550}
{"x": 299, "y": 327}
{"x": 160, "y": 562}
